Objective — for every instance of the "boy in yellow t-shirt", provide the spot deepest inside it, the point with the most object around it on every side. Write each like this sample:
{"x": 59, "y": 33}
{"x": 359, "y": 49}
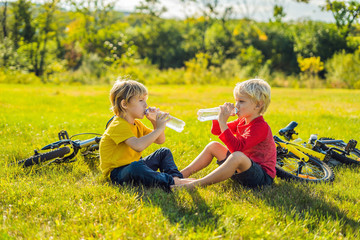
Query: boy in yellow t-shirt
{"x": 126, "y": 137}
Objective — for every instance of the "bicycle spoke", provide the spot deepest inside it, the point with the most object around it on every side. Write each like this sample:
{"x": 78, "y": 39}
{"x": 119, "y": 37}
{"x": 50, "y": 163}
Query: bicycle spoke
{"x": 302, "y": 170}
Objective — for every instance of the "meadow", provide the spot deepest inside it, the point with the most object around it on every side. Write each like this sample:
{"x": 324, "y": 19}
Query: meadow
{"x": 74, "y": 201}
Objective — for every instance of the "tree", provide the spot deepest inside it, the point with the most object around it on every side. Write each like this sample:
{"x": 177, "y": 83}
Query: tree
{"x": 3, "y": 20}
{"x": 160, "y": 42}
{"x": 345, "y": 14}
{"x": 151, "y": 7}
{"x": 317, "y": 39}
{"x": 94, "y": 16}
{"x": 215, "y": 16}
{"x": 279, "y": 13}
{"x": 22, "y": 28}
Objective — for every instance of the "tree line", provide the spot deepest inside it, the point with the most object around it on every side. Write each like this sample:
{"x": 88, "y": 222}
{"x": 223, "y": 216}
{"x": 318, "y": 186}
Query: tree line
{"x": 89, "y": 41}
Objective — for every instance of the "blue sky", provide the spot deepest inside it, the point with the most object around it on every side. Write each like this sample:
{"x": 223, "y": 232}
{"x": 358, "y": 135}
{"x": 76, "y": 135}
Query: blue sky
{"x": 255, "y": 9}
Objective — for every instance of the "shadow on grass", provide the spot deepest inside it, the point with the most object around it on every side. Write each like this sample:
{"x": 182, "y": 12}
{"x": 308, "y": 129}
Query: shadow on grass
{"x": 301, "y": 201}
{"x": 179, "y": 208}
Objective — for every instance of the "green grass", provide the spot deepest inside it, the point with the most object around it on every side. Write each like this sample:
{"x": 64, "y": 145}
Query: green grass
{"x": 74, "y": 201}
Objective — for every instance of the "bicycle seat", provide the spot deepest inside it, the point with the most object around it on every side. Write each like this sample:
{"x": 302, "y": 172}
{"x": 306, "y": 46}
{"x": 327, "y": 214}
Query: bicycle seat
{"x": 288, "y": 131}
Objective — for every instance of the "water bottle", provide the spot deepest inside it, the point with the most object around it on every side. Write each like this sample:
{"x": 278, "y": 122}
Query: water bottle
{"x": 174, "y": 123}
{"x": 211, "y": 114}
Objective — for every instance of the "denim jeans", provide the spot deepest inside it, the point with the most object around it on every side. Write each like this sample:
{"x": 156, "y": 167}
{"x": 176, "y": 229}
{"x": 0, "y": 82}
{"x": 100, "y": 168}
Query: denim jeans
{"x": 145, "y": 172}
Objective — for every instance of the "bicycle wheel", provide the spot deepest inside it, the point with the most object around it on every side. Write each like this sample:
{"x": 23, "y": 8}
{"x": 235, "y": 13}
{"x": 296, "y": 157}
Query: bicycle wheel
{"x": 352, "y": 158}
{"x": 289, "y": 167}
{"x": 43, "y": 157}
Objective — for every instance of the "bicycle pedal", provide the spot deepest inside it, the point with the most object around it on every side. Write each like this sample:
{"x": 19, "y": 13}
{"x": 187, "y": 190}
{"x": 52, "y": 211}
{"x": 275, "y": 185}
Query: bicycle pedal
{"x": 328, "y": 157}
{"x": 63, "y": 135}
{"x": 350, "y": 146}
{"x": 333, "y": 163}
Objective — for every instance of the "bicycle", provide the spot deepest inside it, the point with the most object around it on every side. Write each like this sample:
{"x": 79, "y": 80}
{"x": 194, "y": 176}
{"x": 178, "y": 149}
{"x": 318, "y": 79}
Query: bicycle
{"x": 346, "y": 153}
{"x": 64, "y": 151}
{"x": 296, "y": 162}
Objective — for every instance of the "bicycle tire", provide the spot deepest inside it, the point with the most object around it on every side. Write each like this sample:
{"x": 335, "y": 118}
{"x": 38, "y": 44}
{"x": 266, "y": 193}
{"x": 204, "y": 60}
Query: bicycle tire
{"x": 43, "y": 157}
{"x": 352, "y": 158}
{"x": 314, "y": 170}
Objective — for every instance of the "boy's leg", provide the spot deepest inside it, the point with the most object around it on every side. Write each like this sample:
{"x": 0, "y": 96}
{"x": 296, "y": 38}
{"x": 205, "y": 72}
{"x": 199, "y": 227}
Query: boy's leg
{"x": 139, "y": 173}
{"x": 213, "y": 149}
{"x": 236, "y": 161}
{"x": 163, "y": 160}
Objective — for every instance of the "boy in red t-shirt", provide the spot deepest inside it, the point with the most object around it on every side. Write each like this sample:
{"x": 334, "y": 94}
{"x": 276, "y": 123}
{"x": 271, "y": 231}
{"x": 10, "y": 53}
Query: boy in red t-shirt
{"x": 250, "y": 153}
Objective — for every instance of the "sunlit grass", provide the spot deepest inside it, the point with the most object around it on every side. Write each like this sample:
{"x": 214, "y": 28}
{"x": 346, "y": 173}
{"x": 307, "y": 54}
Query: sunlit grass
{"x": 74, "y": 201}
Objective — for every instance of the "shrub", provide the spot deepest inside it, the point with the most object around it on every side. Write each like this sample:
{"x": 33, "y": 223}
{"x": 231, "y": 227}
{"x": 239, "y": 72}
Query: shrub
{"x": 7, "y": 76}
{"x": 343, "y": 70}
{"x": 252, "y": 59}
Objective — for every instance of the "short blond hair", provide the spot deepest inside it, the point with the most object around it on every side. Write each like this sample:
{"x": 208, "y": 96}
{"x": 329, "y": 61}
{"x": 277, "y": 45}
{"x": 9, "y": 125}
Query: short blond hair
{"x": 257, "y": 89}
{"x": 124, "y": 89}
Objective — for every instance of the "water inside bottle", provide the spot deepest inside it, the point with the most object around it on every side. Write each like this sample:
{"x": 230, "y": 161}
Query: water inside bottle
{"x": 208, "y": 114}
{"x": 211, "y": 114}
{"x": 174, "y": 123}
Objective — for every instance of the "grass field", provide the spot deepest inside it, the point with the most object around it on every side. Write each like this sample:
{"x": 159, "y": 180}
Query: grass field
{"x": 74, "y": 201}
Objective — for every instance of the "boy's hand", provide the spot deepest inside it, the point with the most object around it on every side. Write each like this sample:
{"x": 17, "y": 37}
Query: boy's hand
{"x": 161, "y": 120}
{"x": 226, "y": 111}
{"x": 151, "y": 113}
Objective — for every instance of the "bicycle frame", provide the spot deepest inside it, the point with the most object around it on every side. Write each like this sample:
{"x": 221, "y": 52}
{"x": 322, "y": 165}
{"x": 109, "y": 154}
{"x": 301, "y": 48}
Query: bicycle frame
{"x": 88, "y": 144}
{"x": 350, "y": 146}
{"x": 300, "y": 151}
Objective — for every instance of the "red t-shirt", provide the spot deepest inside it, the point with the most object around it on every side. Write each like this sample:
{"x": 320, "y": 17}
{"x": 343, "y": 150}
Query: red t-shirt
{"x": 254, "y": 139}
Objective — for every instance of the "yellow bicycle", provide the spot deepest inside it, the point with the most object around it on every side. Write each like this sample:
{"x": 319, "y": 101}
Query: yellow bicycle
{"x": 335, "y": 149}
{"x": 297, "y": 162}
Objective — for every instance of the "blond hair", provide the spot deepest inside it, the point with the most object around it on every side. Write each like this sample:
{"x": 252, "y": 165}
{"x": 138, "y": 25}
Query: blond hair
{"x": 257, "y": 89}
{"x": 124, "y": 89}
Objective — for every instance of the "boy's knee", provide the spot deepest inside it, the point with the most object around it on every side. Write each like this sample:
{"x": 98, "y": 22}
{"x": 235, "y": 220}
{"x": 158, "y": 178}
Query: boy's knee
{"x": 238, "y": 157}
{"x": 165, "y": 150}
{"x": 213, "y": 145}
{"x": 241, "y": 160}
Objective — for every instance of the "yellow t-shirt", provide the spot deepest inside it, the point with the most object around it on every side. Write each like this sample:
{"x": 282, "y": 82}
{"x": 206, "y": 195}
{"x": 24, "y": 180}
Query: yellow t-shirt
{"x": 114, "y": 152}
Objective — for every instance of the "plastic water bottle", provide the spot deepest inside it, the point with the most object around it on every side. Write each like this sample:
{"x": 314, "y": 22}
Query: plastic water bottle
{"x": 174, "y": 123}
{"x": 208, "y": 114}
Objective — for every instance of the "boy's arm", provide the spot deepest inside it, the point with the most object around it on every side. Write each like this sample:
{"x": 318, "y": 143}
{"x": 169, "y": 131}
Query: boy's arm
{"x": 161, "y": 138}
{"x": 215, "y": 128}
{"x": 140, "y": 144}
{"x": 151, "y": 114}
{"x": 253, "y": 136}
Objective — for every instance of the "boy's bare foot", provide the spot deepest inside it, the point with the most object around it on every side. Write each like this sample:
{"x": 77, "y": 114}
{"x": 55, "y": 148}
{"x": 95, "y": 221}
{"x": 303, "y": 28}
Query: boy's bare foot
{"x": 190, "y": 185}
{"x": 180, "y": 181}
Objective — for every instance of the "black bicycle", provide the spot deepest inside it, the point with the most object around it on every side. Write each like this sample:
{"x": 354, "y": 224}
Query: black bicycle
{"x": 65, "y": 150}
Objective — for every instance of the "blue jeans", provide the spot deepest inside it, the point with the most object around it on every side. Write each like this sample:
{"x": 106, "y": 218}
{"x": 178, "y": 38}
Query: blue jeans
{"x": 145, "y": 172}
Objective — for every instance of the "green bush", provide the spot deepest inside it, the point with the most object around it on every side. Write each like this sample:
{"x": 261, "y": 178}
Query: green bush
{"x": 343, "y": 70}
{"x": 7, "y": 76}
{"x": 252, "y": 59}
{"x": 277, "y": 45}
{"x": 317, "y": 39}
